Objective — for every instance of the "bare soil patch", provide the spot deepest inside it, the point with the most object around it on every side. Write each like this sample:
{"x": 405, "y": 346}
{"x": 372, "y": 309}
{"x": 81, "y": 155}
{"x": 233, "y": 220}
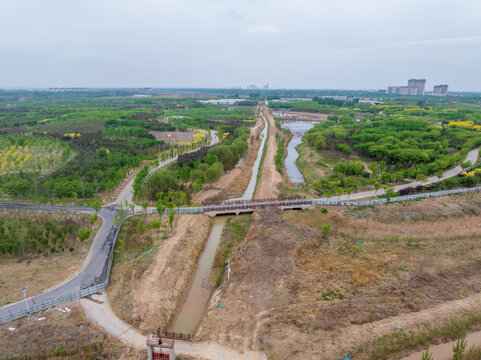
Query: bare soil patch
{"x": 173, "y": 136}
{"x": 38, "y": 272}
{"x": 52, "y": 334}
{"x": 270, "y": 177}
{"x": 310, "y": 284}
{"x": 148, "y": 288}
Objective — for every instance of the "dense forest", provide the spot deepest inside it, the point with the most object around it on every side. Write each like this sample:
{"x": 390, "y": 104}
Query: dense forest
{"x": 391, "y": 143}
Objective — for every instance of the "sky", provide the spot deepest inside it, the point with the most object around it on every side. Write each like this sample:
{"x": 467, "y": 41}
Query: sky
{"x": 311, "y": 44}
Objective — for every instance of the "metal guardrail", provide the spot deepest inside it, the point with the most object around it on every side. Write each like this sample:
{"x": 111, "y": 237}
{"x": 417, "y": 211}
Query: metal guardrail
{"x": 52, "y": 302}
{"x": 395, "y": 199}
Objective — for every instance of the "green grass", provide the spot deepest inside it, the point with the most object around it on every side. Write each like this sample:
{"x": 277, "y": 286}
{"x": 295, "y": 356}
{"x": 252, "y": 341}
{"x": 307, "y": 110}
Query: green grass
{"x": 263, "y": 157}
{"x": 400, "y": 340}
{"x": 232, "y": 236}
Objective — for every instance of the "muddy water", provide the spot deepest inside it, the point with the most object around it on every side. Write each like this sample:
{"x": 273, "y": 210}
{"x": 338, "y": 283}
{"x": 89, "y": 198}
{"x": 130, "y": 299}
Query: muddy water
{"x": 199, "y": 293}
{"x": 445, "y": 351}
{"x": 298, "y": 129}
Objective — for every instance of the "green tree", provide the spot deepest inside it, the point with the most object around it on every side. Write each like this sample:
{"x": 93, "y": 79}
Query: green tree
{"x": 96, "y": 204}
{"x": 141, "y": 228}
{"x": 171, "y": 217}
{"x": 145, "y": 204}
{"x": 156, "y": 226}
{"x": 83, "y": 234}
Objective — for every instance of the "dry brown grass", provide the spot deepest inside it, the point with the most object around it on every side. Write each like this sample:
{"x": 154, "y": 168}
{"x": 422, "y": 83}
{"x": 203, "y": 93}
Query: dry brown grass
{"x": 69, "y": 334}
{"x": 148, "y": 288}
{"x": 296, "y": 288}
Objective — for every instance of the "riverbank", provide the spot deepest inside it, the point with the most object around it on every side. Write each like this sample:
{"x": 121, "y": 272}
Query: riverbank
{"x": 147, "y": 290}
{"x": 335, "y": 280}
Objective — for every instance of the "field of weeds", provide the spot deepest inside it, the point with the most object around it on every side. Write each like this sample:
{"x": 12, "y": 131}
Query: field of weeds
{"x": 316, "y": 284}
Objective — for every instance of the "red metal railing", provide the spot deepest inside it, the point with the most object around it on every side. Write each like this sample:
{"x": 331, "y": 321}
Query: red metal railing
{"x": 177, "y": 336}
{"x": 156, "y": 356}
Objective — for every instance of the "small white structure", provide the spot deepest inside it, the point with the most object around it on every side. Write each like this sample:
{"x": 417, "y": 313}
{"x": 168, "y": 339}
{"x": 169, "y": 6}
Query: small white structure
{"x": 160, "y": 348}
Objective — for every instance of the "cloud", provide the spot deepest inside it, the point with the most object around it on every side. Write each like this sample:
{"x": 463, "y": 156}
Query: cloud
{"x": 263, "y": 29}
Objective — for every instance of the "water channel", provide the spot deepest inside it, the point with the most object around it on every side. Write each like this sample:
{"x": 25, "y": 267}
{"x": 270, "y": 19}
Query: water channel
{"x": 298, "y": 129}
{"x": 199, "y": 293}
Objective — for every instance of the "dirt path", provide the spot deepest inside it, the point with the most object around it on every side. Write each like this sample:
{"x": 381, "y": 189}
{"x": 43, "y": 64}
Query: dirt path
{"x": 270, "y": 177}
{"x": 147, "y": 290}
{"x": 98, "y": 310}
{"x": 233, "y": 183}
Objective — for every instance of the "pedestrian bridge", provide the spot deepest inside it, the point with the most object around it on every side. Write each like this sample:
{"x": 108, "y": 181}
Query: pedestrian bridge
{"x": 249, "y": 206}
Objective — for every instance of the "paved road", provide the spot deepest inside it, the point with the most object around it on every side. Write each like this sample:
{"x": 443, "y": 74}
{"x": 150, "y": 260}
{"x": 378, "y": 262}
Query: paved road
{"x": 472, "y": 156}
{"x": 96, "y": 265}
{"x": 98, "y": 310}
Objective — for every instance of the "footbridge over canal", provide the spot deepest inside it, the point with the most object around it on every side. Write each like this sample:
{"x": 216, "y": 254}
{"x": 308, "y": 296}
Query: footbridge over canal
{"x": 249, "y": 206}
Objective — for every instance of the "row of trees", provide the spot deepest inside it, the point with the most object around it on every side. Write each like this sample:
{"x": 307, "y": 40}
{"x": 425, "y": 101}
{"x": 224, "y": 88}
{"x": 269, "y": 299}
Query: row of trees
{"x": 191, "y": 176}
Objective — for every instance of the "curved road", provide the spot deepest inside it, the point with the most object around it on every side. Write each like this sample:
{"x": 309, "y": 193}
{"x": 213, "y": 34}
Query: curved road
{"x": 96, "y": 266}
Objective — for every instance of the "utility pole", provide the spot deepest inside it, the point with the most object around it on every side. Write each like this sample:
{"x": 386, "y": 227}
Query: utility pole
{"x": 26, "y": 302}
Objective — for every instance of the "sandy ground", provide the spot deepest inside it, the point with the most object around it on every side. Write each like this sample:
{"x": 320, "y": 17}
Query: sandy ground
{"x": 406, "y": 270}
{"x": 48, "y": 331}
{"x": 234, "y": 183}
{"x": 270, "y": 177}
{"x": 39, "y": 273}
{"x": 146, "y": 293}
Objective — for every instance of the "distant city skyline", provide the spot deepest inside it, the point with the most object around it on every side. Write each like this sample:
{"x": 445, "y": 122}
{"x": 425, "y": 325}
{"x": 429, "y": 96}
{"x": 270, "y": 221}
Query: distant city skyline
{"x": 311, "y": 44}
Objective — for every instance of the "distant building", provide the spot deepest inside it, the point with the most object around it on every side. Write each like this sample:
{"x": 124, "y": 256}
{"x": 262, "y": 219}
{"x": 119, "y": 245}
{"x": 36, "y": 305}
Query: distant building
{"x": 440, "y": 90}
{"x": 416, "y": 86}
{"x": 381, "y": 91}
{"x": 335, "y": 97}
{"x": 68, "y": 89}
{"x": 265, "y": 87}
{"x": 251, "y": 87}
{"x": 393, "y": 89}
{"x": 404, "y": 90}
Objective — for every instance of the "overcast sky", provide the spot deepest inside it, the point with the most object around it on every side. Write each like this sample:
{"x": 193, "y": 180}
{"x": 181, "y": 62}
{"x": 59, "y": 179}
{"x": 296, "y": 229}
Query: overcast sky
{"x": 335, "y": 44}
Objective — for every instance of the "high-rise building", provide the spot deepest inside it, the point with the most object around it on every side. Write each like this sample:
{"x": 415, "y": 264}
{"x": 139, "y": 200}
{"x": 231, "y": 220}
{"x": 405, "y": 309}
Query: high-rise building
{"x": 393, "y": 89}
{"x": 440, "y": 90}
{"x": 416, "y": 86}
